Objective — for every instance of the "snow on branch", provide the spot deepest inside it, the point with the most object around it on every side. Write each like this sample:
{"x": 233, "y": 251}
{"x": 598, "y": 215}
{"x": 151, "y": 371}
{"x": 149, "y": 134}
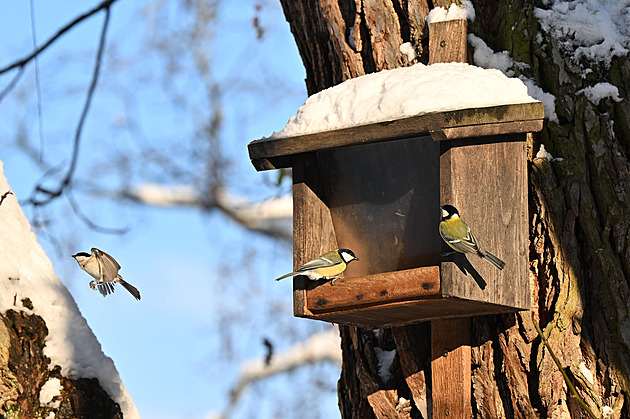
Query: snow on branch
{"x": 273, "y": 216}
{"x": 319, "y": 347}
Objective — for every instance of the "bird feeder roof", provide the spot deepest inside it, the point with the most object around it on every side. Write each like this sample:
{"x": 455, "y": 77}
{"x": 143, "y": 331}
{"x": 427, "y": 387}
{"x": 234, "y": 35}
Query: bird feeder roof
{"x": 445, "y": 100}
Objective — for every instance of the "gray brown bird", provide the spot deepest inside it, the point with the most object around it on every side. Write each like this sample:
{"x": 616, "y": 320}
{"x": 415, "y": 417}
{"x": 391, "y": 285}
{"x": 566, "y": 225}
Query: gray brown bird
{"x": 104, "y": 269}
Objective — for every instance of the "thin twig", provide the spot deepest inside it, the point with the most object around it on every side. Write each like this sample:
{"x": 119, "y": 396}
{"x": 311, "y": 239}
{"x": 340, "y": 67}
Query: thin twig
{"x": 87, "y": 220}
{"x": 22, "y": 62}
{"x": 38, "y": 87}
{"x": 572, "y": 389}
{"x": 12, "y": 83}
{"x": 4, "y": 195}
{"x": 52, "y": 194}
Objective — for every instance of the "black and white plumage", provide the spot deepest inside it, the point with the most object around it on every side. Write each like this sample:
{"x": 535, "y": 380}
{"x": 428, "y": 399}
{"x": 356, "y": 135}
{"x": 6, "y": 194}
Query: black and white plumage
{"x": 104, "y": 269}
{"x": 458, "y": 236}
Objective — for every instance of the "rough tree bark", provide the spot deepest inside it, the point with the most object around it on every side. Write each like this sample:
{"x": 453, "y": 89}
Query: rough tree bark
{"x": 24, "y": 369}
{"x": 579, "y": 233}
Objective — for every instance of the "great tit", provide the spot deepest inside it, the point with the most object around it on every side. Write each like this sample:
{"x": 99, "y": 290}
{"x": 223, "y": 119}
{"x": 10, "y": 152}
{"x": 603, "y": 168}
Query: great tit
{"x": 457, "y": 235}
{"x": 104, "y": 269}
{"x": 327, "y": 266}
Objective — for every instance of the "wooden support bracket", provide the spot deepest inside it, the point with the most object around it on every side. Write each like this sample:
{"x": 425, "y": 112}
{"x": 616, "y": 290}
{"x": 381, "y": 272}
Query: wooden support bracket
{"x": 450, "y": 339}
{"x": 450, "y": 369}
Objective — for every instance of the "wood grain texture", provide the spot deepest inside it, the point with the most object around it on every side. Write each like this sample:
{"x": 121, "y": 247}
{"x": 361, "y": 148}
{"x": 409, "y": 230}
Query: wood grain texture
{"x": 471, "y": 131}
{"x": 447, "y": 41}
{"x": 414, "y": 349}
{"x": 385, "y": 405}
{"x": 268, "y": 153}
{"x": 450, "y": 365}
{"x": 451, "y": 380}
{"x": 372, "y": 290}
{"x": 486, "y": 180}
{"x": 403, "y": 313}
{"x": 313, "y": 232}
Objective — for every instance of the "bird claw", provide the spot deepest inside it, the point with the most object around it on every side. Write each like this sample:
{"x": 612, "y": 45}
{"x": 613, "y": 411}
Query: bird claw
{"x": 93, "y": 285}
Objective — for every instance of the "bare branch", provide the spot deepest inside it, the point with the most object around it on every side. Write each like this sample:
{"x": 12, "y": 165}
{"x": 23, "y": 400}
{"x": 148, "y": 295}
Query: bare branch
{"x": 38, "y": 86}
{"x": 52, "y": 194}
{"x": 320, "y": 347}
{"x": 87, "y": 220}
{"x": 12, "y": 83}
{"x": 22, "y": 62}
{"x": 273, "y": 216}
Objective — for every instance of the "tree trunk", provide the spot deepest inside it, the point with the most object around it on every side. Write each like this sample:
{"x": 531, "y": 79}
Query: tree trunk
{"x": 579, "y": 233}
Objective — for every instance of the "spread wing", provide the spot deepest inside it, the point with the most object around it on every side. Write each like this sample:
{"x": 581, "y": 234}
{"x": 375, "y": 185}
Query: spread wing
{"x": 109, "y": 265}
{"x": 106, "y": 288}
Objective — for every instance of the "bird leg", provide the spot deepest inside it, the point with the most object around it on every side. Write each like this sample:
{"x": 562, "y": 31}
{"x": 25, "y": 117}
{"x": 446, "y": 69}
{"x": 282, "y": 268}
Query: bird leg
{"x": 334, "y": 278}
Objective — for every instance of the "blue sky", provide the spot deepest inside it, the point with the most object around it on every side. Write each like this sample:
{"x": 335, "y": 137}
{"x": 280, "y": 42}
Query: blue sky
{"x": 208, "y": 295}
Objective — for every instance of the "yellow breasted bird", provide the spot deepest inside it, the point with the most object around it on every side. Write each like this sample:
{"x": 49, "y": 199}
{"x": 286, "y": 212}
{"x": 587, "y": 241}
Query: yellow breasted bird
{"x": 327, "y": 266}
{"x": 457, "y": 235}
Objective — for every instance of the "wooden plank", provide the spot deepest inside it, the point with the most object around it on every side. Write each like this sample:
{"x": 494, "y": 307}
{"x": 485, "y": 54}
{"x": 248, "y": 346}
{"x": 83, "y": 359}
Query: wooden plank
{"x": 450, "y": 338}
{"x": 375, "y": 289}
{"x": 447, "y": 41}
{"x": 313, "y": 232}
{"x": 486, "y": 180}
{"x": 272, "y": 153}
{"x": 450, "y": 365}
{"x": 408, "y": 312}
{"x": 472, "y": 131}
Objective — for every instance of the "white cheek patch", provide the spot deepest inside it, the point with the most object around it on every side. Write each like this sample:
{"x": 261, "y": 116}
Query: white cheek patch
{"x": 444, "y": 213}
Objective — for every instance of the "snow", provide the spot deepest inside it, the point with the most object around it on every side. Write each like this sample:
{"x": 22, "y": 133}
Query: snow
{"x": 26, "y": 272}
{"x": 607, "y": 412}
{"x": 454, "y": 12}
{"x": 404, "y": 92}
{"x": 544, "y": 154}
{"x": 385, "y": 360}
{"x": 548, "y": 100}
{"x": 600, "y": 91}
{"x": 408, "y": 50}
{"x": 596, "y": 30}
{"x": 586, "y": 373}
{"x": 50, "y": 390}
{"x": 485, "y": 57}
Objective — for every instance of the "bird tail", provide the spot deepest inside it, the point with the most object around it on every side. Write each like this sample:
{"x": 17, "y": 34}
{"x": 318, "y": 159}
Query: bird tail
{"x": 132, "y": 290}
{"x": 286, "y": 276}
{"x": 492, "y": 259}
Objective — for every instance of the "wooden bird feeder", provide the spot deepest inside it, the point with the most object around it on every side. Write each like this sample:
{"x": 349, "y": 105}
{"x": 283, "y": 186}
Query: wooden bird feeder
{"x": 377, "y": 189}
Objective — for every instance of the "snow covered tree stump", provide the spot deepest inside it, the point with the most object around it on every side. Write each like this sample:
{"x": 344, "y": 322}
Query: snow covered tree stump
{"x": 50, "y": 361}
